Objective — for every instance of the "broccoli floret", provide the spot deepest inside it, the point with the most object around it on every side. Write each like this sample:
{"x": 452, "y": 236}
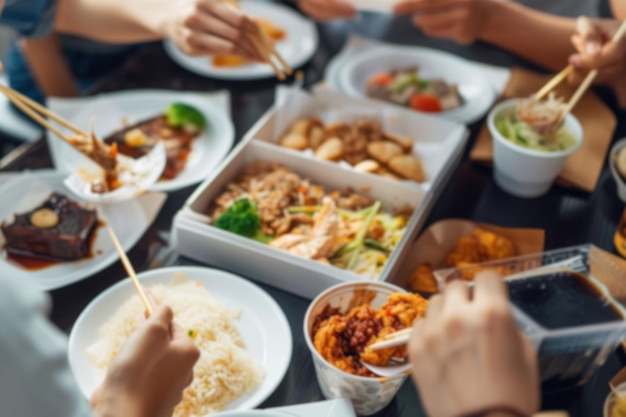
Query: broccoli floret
{"x": 243, "y": 219}
{"x": 185, "y": 116}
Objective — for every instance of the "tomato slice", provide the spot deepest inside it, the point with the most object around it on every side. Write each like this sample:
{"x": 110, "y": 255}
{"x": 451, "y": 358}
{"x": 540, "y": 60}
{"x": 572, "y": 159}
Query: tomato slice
{"x": 425, "y": 102}
{"x": 380, "y": 80}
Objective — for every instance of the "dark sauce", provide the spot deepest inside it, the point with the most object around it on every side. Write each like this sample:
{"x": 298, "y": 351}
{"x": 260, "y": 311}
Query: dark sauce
{"x": 561, "y": 300}
{"x": 33, "y": 263}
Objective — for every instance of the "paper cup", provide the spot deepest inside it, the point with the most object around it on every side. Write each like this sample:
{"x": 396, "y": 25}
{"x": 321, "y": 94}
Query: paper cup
{"x": 526, "y": 172}
{"x": 608, "y": 403}
{"x": 368, "y": 395}
{"x": 619, "y": 181}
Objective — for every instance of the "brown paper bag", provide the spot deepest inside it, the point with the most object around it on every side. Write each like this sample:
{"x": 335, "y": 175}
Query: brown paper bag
{"x": 439, "y": 239}
{"x": 584, "y": 167}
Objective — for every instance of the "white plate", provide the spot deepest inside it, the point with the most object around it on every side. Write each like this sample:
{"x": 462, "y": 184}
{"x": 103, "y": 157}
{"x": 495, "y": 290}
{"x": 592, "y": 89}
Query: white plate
{"x": 297, "y": 48}
{"x": 129, "y": 220}
{"x": 262, "y": 325}
{"x": 207, "y": 150}
{"x": 474, "y": 87}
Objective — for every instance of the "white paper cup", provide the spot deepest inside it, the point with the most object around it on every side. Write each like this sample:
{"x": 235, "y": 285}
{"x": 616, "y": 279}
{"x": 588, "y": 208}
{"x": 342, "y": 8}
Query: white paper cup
{"x": 368, "y": 395}
{"x": 526, "y": 172}
{"x": 619, "y": 181}
{"x": 608, "y": 403}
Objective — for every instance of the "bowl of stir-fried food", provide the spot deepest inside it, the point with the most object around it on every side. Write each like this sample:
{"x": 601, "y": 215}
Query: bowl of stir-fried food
{"x": 339, "y": 326}
{"x": 527, "y": 155}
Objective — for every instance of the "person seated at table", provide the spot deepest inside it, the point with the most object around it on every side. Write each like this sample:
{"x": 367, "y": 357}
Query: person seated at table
{"x": 67, "y": 45}
{"x": 470, "y": 358}
{"x": 596, "y": 50}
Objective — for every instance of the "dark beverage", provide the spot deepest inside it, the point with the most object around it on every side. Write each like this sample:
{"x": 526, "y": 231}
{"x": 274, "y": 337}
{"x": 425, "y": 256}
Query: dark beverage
{"x": 563, "y": 299}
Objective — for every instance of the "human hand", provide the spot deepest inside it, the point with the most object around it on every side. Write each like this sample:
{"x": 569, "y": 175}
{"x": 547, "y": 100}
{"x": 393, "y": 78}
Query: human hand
{"x": 469, "y": 356}
{"x": 207, "y": 27}
{"x": 326, "y": 10}
{"x": 459, "y": 20}
{"x": 596, "y": 50}
{"x": 150, "y": 372}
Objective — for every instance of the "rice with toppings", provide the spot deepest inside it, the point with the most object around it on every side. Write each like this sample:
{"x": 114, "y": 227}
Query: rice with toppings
{"x": 225, "y": 370}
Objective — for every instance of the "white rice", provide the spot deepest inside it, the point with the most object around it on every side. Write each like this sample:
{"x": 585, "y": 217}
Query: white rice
{"x": 225, "y": 370}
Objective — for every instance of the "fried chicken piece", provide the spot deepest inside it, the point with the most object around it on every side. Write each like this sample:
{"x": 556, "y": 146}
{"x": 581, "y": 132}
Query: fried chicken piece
{"x": 467, "y": 250}
{"x": 401, "y": 310}
{"x": 423, "y": 280}
{"x": 496, "y": 246}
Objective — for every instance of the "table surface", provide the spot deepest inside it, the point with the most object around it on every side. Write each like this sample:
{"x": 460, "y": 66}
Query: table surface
{"x": 568, "y": 217}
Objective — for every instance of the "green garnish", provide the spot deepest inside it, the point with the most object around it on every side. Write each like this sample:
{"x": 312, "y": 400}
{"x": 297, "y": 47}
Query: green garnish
{"x": 185, "y": 116}
{"x": 376, "y": 245}
{"x": 242, "y": 218}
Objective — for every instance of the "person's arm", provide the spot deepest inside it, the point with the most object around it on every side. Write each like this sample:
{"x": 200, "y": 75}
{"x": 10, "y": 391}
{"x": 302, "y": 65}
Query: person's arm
{"x": 618, "y": 7}
{"x": 536, "y": 36}
{"x": 198, "y": 27}
{"x": 48, "y": 66}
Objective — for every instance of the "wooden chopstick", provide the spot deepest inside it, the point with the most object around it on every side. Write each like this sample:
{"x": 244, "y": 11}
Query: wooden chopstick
{"x": 130, "y": 270}
{"x": 10, "y": 94}
{"x": 556, "y": 80}
{"x": 582, "y": 88}
{"x": 44, "y": 111}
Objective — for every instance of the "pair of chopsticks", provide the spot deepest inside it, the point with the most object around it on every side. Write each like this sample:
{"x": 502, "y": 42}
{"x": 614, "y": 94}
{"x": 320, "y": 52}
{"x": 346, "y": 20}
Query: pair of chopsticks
{"x": 266, "y": 49}
{"x": 130, "y": 271}
{"x": 582, "y": 88}
{"x": 401, "y": 337}
{"x": 37, "y": 112}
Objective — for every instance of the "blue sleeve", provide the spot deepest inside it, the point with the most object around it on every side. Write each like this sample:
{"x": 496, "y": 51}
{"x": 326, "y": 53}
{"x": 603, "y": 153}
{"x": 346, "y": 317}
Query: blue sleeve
{"x": 31, "y": 18}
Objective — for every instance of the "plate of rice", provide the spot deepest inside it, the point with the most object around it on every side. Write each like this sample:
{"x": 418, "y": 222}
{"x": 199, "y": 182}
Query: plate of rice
{"x": 226, "y": 316}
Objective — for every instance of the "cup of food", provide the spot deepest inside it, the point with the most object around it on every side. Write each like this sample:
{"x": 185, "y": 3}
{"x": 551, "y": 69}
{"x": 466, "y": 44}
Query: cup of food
{"x": 615, "y": 403}
{"x": 527, "y": 161}
{"x": 618, "y": 167}
{"x": 339, "y": 326}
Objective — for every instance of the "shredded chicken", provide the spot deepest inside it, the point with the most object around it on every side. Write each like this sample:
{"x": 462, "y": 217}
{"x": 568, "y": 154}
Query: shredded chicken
{"x": 545, "y": 117}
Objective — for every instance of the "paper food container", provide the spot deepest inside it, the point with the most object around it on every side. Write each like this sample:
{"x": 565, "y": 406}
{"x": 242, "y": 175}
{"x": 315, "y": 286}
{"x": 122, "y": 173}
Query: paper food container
{"x": 438, "y": 143}
{"x": 441, "y": 238}
{"x": 568, "y": 355}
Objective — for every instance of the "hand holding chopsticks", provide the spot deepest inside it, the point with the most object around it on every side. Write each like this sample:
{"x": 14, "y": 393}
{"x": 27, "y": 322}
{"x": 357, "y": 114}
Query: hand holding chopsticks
{"x": 130, "y": 271}
{"x": 265, "y": 48}
{"x": 586, "y": 83}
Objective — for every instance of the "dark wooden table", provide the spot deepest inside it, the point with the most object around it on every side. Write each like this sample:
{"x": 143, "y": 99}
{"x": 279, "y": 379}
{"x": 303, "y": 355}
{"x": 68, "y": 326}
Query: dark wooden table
{"x": 568, "y": 217}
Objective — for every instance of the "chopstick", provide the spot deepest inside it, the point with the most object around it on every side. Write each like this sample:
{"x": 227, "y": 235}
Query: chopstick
{"x": 556, "y": 80}
{"x": 401, "y": 337}
{"x": 130, "y": 270}
{"x": 41, "y": 109}
{"x": 265, "y": 47}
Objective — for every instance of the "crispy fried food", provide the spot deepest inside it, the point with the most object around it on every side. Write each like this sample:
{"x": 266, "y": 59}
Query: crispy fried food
{"x": 481, "y": 246}
{"x": 343, "y": 339}
{"x": 362, "y": 144}
{"x": 423, "y": 280}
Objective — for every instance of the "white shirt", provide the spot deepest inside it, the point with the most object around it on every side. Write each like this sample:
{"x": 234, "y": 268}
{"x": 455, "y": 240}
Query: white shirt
{"x": 35, "y": 378}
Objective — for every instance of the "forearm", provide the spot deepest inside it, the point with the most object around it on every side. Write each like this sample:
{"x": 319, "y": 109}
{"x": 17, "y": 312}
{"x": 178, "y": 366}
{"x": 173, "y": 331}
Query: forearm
{"x": 49, "y": 67}
{"x": 113, "y": 21}
{"x": 618, "y": 7}
{"x": 536, "y": 36}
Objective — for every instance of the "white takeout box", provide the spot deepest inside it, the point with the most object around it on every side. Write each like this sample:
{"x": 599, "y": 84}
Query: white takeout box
{"x": 439, "y": 144}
